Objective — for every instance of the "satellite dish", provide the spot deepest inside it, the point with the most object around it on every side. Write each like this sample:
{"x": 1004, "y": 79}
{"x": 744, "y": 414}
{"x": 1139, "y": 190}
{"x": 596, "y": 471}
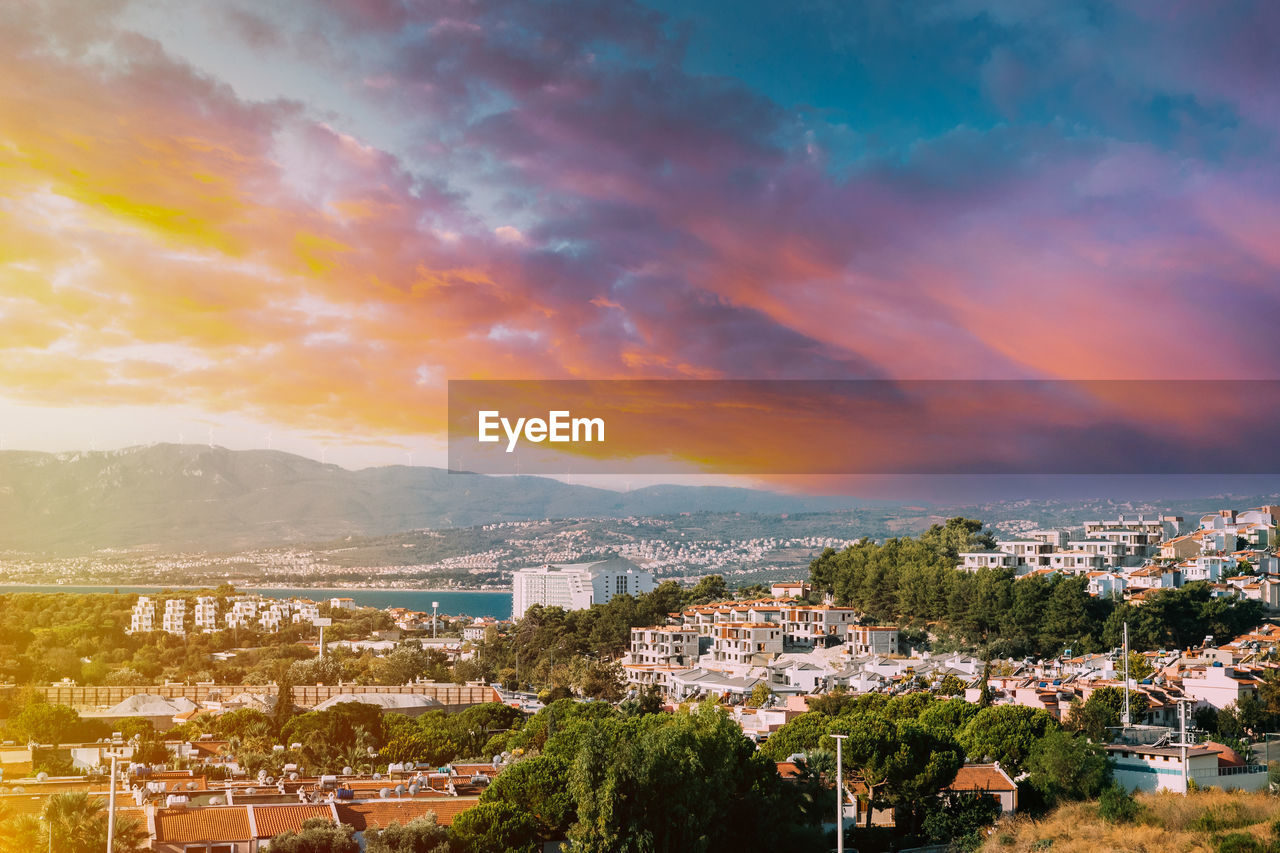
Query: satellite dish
{"x": 377, "y": 775}
{"x": 215, "y": 801}
{"x": 399, "y": 790}
{"x": 191, "y": 786}
{"x": 346, "y": 771}
{"x": 413, "y": 790}
{"x": 42, "y": 776}
{"x": 384, "y": 793}
{"x": 293, "y": 777}
{"x": 251, "y": 791}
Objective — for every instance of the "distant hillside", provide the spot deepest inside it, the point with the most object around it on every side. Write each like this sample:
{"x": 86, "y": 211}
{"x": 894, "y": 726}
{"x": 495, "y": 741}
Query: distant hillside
{"x": 194, "y": 497}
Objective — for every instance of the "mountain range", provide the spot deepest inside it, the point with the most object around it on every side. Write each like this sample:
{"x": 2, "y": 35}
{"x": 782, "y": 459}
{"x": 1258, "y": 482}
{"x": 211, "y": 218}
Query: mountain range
{"x": 175, "y": 497}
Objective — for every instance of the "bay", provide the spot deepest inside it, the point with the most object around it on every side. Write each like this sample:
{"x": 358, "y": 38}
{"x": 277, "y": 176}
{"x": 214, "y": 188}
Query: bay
{"x": 452, "y": 602}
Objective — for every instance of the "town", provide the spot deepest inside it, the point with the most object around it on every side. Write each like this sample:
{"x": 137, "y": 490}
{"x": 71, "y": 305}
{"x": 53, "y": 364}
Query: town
{"x": 234, "y": 723}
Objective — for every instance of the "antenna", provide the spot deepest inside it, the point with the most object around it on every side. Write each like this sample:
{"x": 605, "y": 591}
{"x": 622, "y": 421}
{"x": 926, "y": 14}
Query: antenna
{"x": 211, "y": 437}
{"x": 270, "y": 438}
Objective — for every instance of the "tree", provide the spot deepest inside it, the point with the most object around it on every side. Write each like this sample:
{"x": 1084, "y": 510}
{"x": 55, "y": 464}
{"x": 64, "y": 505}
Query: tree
{"x": 22, "y": 834}
{"x": 1064, "y": 766}
{"x": 282, "y": 712}
{"x": 1005, "y": 733}
{"x": 318, "y": 835}
{"x": 688, "y": 781}
{"x": 495, "y": 827}
{"x": 1103, "y": 710}
{"x": 538, "y": 786}
{"x": 421, "y": 835}
{"x": 44, "y": 723}
{"x": 960, "y": 820}
{"x": 708, "y": 589}
{"x": 77, "y": 823}
{"x": 759, "y": 695}
{"x": 900, "y": 763}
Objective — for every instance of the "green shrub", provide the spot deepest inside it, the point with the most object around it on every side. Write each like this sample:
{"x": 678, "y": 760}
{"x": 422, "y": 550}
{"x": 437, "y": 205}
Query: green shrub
{"x": 1239, "y": 842}
{"x": 1117, "y": 805}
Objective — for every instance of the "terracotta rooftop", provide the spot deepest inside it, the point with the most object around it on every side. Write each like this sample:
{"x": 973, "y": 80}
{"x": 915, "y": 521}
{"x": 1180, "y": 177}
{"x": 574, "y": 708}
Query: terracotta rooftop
{"x": 361, "y": 816}
{"x": 981, "y": 777}
{"x": 214, "y": 823}
{"x": 273, "y": 820}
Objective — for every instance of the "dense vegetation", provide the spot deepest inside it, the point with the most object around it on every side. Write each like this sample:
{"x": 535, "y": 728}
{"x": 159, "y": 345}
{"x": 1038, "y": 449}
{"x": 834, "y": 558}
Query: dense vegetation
{"x": 902, "y": 752}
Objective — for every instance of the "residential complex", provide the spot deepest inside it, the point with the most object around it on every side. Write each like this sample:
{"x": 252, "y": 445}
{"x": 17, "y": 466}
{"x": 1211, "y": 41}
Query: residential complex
{"x": 1130, "y": 556}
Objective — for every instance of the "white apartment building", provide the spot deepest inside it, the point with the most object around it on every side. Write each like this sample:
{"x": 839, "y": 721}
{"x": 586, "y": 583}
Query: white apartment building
{"x": 342, "y": 603}
{"x": 175, "y": 616}
{"x": 873, "y": 641}
{"x": 1076, "y": 562}
{"x": 576, "y": 586}
{"x": 971, "y": 561}
{"x": 664, "y": 646}
{"x": 745, "y": 644}
{"x": 811, "y": 624}
{"x": 243, "y": 612}
{"x": 306, "y": 611}
{"x": 1026, "y": 552}
{"x": 144, "y": 616}
{"x": 206, "y": 617}
{"x": 1054, "y": 538}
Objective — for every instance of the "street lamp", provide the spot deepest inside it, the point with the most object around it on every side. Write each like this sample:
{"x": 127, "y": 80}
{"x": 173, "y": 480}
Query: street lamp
{"x": 839, "y": 739}
{"x": 434, "y": 606}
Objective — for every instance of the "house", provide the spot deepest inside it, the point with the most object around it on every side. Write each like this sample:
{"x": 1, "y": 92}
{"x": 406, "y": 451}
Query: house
{"x": 873, "y": 640}
{"x": 990, "y": 780}
{"x": 1151, "y": 768}
{"x": 1218, "y": 685}
{"x": 342, "y": 604}
{"x": 790, "y": 589}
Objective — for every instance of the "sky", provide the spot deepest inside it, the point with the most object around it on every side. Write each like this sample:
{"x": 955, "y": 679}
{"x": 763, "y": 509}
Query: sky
{"x": 290, "y": 224}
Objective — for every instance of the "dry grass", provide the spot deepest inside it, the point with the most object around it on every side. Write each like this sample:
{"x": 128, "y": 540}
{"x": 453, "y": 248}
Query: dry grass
{"x": 1168, "y": 823}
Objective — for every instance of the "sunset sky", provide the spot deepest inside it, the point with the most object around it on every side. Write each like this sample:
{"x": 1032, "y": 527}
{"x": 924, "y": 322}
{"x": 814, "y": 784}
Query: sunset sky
{"x": 289, "y": 224}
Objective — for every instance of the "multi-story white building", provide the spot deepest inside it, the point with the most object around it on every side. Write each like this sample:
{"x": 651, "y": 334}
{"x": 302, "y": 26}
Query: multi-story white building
{"x": 305, "y": 611}
{"x": 873, "y": 640}
{"x": 745, "y": 644}
{"x": 971, "y": 561}
{"x": 243, "y": 612}
{"x": 664, "y": 646}
{"x": 206, "y": 617}
{"x": 576, "y": 586}
{"x": 175, "y": 616}
{"x": 812, "y": 624}
{"x": 144, "y": 616}
{"x": 342, "y": 603}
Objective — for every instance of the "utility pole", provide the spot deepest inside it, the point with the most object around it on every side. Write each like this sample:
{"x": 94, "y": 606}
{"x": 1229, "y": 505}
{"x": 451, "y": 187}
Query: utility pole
{"x": 1182, "y": 741}
{"x": 111, "y": 808}
{"x": 839, "y": 739}
{"x": 1124, "y": 718}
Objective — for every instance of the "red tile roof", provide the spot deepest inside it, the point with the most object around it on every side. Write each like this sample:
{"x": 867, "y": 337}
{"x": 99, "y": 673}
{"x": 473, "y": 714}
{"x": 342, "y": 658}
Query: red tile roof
{"x": 981, "y": 777}
{"x": 361, "y": 816}
{"x": 273, "y": 820}
{"x": 214, "y": 823}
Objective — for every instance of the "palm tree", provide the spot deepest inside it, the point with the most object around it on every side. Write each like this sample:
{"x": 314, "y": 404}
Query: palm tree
{"x": 77, "y": 823}
{"x": 70, "y": 818}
